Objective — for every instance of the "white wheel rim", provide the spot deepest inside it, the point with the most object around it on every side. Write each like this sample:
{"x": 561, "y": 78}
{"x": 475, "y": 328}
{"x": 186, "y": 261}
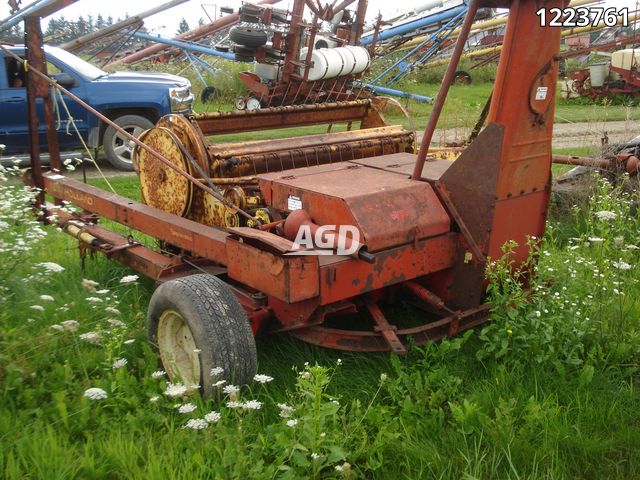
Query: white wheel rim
{"x": 178, "y": 349}
{"x": 122, "y": 146}
{"x": 253, "y": 104}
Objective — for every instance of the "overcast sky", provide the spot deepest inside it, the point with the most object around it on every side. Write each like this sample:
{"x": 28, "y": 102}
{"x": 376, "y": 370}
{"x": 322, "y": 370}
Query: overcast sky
{"x": 166, "y": 23}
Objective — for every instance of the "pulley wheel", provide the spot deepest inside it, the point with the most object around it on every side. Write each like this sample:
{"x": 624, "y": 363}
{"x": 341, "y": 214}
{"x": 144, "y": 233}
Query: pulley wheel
{"x": 160, "y": 185}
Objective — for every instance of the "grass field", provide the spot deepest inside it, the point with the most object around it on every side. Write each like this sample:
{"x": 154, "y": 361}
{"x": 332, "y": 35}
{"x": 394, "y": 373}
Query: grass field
{"x": 548, "y": 389}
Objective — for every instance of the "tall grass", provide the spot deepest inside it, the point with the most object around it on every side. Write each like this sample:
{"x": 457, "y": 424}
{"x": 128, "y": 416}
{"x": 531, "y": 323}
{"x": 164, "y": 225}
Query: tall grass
{"x": 546, "y": 390}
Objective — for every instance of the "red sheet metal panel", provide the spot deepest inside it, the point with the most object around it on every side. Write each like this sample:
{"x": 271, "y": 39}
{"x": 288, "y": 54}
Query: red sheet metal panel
{"x": 389, "y": 210}
{"x": 290, "y": 279}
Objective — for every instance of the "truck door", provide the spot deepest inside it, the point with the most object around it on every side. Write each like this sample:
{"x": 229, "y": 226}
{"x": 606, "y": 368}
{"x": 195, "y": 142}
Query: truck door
{"x": 14, "y": 130}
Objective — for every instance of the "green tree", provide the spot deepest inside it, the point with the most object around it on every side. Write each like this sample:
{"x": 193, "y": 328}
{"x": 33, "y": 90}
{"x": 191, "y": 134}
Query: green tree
{"x": 183, "y": 27}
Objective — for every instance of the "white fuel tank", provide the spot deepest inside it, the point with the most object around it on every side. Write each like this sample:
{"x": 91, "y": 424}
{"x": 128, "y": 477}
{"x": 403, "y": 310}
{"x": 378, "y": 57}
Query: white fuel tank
{"x": 335, "y": 62}
{"x": 625, "y": 59}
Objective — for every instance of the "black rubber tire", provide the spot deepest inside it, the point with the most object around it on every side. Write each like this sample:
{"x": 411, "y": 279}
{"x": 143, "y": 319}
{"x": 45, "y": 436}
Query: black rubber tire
{"x": 209, "y": 94}
{"x": 462, "y": 78}
{"x": 217, "y": 322}
{"x": 116, "y": 148}
{"x": 248, "y": 37}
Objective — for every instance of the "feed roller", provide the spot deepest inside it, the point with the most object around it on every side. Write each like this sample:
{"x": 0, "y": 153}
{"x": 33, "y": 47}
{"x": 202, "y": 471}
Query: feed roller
{"x": 188, "y": 142}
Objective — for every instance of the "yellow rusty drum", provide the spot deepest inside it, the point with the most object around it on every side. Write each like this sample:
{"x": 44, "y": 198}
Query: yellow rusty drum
{"x": 161, "y": 186}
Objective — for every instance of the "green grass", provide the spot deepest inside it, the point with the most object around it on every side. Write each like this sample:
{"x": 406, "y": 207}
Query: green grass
{"x": 531, "y": 395}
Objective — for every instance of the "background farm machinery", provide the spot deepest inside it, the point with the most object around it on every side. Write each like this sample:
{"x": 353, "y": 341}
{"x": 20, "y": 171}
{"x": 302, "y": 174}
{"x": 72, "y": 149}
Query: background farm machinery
{"x": 227, "y": 215}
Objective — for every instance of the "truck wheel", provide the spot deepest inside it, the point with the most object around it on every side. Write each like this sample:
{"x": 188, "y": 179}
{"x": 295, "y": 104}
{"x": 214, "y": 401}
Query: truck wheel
{"x": 462, "y": 78}
{"x": 117, "y": 147}
{"x": 198, "y": 324}
{"x": 248, "y": 37}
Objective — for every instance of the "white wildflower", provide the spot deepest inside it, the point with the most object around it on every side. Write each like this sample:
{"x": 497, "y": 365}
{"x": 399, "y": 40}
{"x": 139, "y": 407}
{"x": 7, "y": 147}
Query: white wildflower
{"x": 252, "y": 405}
{"x": 196, "y": 424}
{"x": 104, "y": 291}
{"x": 212, "y": 417}
{"x": 119, "y": 363}
{"x": 305, "y": 375}
{"x": 57, "y": 327}
{"x": 606, "y": 215}
{"x": 154, "y": 399}
{"x": 622, "y": 265}
{"x": 285, "y": 410}
{"x": 234, "y": 404}
{"x": 91, "y": 337}
{"x": 175, "y": 390}
{"x": 39, "y": 308}
{"x": 596, "y": 239}
{"x": 129, "y": 279}
{"x": 618, "y": 240}
{"x": 231, "y": 389}
{"x": 187, "y": 408}
{"x": 93, "y": 299}
{"x": 51, "y": 267}
{"x": 112, "y": 310}
{"x": 216, "y": 371}
{"x": 262, "y": 378}
{"x": 130, "y": 341}
{"x": 158, "y": 374}
{"x": 70, "y": 325}
{"x": 383, "y": 377}
{"x": 95, "y": 393}
{"x": 47, "y": 298}
{"x": 292, "y": 423}
{"x": 89, "y": 284}
{"x": 115, "y": 323}
{"x": 219, "y": 383}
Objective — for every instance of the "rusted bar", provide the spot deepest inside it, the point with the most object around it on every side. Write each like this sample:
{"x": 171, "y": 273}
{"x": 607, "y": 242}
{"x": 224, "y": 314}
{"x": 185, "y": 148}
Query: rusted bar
{"x": 581, "y": 161}
{"x": 217, "y": 123}
{"x": 185, "y": 234}
{"x": 444, "y": 89}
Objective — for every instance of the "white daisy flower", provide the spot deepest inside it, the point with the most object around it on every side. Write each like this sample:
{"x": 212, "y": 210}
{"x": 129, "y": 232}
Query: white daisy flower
{"x": 262, "y": 378}
{"x": 196, "y": 424}
{"x": 175, "y": 390}
{"x": 212, "y": 417}
{"x": 187, "y": 408}
{"x": 285, "y": 410}
{"x": 95, "y": 393}
{"x": 51, "y": 267}
{"x": 70, "y": 325}
{"x": 622, "y": 265}
{"x": 91, "y": 337}
{"x": 231, "y": 389}
{"x": 606, "y": 215}
{"x": 252, "y": 405}
{"x": 119, "y": 363}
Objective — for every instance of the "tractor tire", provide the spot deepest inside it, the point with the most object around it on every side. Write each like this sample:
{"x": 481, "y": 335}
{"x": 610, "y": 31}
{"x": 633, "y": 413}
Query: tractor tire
{"x": 117, "y": 147}
{"x": 209, "y": 94}
{"x": 197, "y": 324}
{"x": 244, "y": 54}
{"x": 462, "y": 78}
{"x": 248, "y": 37}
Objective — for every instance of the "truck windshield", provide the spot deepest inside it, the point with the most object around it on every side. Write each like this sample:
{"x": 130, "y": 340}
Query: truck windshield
{"x": 80, "y": 66}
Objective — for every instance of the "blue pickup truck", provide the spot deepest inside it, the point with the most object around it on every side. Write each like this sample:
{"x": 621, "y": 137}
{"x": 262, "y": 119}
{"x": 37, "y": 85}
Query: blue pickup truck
{"x": 133, "y": 100}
